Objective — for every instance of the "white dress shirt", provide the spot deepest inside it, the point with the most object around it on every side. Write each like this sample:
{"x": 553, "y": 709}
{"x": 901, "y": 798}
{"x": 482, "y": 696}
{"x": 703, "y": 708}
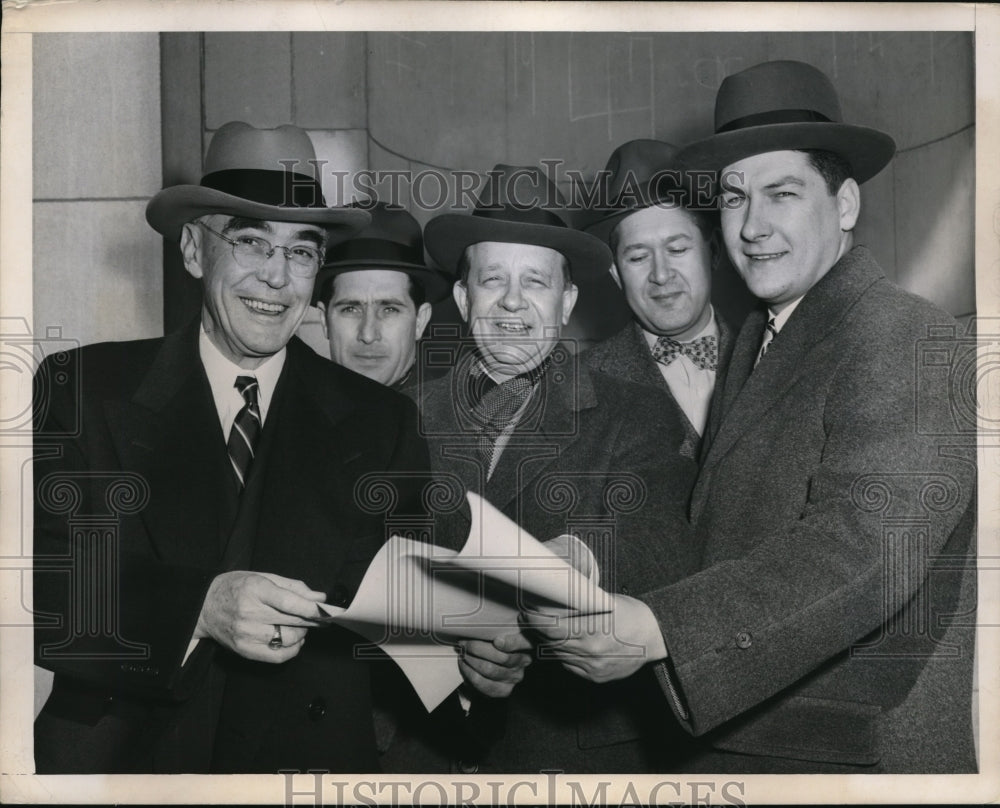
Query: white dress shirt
{"x": 222, "y": 373}
{"x": 690, "y": 385}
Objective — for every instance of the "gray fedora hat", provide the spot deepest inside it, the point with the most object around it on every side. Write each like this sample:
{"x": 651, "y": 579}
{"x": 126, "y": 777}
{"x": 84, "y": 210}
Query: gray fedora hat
{"x": 268, "y": 174}
{"x": 519, "y": 205}
{"x": 392, "y": 241}
{"x": 785, "y": 105}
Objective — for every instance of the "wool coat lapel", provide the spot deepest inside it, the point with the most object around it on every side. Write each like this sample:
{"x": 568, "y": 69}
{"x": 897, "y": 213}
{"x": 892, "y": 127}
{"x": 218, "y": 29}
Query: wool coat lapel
{"x": 169, "y": 433}
{"x": 750, "y": 392}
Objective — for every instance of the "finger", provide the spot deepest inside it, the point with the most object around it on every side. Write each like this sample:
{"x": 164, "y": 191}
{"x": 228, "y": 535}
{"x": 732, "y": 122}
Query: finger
{"x": 478, "y": 649}
{"x": 288, "y": 602}
{"x": 487, "y": 687}
{"x": 294, "y": 585}
{"x": 512, "y": 643}
{"x": 497, "y": 672}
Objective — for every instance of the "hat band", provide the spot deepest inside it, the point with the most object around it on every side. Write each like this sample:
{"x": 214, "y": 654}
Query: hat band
{"x": 509, "y": 213}
{"x": 774, "y": 116}
{"x": 374, "y": 249}
{"x": 282, "y": 189}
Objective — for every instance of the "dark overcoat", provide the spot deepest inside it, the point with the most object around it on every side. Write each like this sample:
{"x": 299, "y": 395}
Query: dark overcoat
{"x": 831, "y": 625}
{"x": 137, "y": 511}
{"x": 598, "y": 457}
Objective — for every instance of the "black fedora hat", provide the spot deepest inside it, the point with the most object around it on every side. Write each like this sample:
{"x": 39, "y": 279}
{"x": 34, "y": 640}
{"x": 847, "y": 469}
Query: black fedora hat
{"x": 391, "y": 241}
{"x": 268, "y": 174}
{"x": 519, "y": 205}
{"x": 785, "y": 105}
{"x": 640, "y": 174}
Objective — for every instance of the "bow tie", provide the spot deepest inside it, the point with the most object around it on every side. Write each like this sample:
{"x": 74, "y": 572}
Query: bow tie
{"x": 704, "y": 351}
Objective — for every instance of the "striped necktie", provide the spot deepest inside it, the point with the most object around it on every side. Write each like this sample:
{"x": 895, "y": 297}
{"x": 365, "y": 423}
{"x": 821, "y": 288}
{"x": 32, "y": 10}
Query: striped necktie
{"x": 246, "y": 429}
{"x": 770, "y": 332}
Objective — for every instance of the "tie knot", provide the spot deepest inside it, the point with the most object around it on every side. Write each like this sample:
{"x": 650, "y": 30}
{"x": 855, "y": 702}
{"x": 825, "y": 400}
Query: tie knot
{"x": 247, "y": 387}
{"x": 703, "y": 352}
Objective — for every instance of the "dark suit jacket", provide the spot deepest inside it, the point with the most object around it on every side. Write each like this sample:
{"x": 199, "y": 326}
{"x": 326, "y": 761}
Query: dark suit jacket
{"x": 626, "y": 356}
{"x": 137, "y": 511}
{"x": 835, "y": 507}
{"x": 597, "y": 457}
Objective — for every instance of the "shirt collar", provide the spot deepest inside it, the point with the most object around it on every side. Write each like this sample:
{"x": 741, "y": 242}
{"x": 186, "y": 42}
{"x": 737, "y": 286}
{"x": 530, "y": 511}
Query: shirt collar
{"x": 222, "y": 373}
{"x": 711, "y": 329}
{"x": 782, "y": 317}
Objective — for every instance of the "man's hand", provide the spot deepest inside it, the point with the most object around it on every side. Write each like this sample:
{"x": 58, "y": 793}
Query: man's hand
{"x": 601, "y": 647}
{"x": 242, "y": 608}
{"x": 493, "y": 668}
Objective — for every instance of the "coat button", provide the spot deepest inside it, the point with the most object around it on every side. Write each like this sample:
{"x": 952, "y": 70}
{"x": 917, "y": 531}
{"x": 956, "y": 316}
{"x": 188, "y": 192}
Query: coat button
{"x": 317, "y": 709}
{"x": 468, "y": 768}
{"x": 623, "y": 589}
{"x": 744, "y": 639}
{"x": 339, "y": 595}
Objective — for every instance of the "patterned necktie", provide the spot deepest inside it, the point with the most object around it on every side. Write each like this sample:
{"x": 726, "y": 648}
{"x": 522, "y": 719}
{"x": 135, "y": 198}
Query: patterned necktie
{"x": 246, "y": 429}
{"x": 770, "y": 332}
{"x": 496, "y": 405}
{"x": 703, "y": 352}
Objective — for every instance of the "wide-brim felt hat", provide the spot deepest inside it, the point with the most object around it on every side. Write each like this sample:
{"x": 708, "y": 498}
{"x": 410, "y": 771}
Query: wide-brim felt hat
{"x": 391, "y": 241}
{"x": 640, "y": 174}
{"x": 518, "y": 205}
{"x": 267, "y": 174}
{"x": 785, "y": 105}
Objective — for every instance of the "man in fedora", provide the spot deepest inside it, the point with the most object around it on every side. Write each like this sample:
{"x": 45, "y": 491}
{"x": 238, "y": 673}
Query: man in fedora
{"x": 561, "y": 449}
{"x": 664, "y": 250}
{"x": 226, "y": 457}
{"x": 830, "y": 627}
{"x": 375, "y": 294}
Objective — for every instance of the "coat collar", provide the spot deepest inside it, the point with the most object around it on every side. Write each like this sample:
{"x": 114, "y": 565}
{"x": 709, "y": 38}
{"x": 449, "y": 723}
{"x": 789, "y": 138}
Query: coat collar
{"x": 750, "y": 392}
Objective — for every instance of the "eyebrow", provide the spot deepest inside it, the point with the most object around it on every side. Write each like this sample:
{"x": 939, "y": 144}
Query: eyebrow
{"x": 668, "y": 240}
{"x": 245, "y": 223}
{"x": 382, "y": 301}
{"x": 787, "y": 180}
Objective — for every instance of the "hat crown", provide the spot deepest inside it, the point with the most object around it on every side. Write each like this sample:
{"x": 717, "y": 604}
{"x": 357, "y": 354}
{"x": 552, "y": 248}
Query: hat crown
{"x": 637, "y": 162}
{"x": 776, "y": 92}
{"x": 391, "y": 223}
{"x": 239, "y": 146}
{"x": 521, "y": 194}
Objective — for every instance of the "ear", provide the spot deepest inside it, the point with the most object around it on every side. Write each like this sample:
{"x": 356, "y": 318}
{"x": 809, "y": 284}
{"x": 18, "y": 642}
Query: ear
{"x": 322, "y": 318}
{"x": 423, "y": 317}
{"x": 849, "y": 204}
{"x": 191, "y": 236}
{"x": 615, "y": 274}
{"x": 461, "y": 295}
{"x": 569, "y": 301}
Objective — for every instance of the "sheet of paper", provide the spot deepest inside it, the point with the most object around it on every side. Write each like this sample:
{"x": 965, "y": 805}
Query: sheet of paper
{"x": 417, "y": 599}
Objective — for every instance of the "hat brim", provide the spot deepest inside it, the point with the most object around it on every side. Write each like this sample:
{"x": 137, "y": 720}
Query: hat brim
{"x": 436, "y": 286}
{"x": 170, "y": 209}
{"x": 448, "y": 236}
{"x": 867, "y": 150}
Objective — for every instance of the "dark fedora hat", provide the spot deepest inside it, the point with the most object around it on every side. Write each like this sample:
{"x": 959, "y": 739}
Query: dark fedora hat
{"x": 519, "y": 205}
{"x": 785, "y": 105}
{"x": 391, "y": 241}
{"x": 640, "y": 174}
{"x": 268, "y": 174}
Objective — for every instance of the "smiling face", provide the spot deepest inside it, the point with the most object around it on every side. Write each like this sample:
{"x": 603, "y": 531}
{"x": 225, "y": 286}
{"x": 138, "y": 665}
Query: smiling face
{"x": 663, "y": 262}
{"x": 515, "y": 300}
{"x": 372, "y": 323}
{"x": 249, "y": 314}
{"x": 783, "y": 228}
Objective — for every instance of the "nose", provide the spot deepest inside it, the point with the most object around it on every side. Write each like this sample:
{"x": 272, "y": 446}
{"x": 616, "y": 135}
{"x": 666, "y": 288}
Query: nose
{"x": 755, "y": 224}
{"x": 512, "y": 299}
{"x": 661, "y": 270}
{"x": 368, "y": 330}
{"x": 274, "y": 270}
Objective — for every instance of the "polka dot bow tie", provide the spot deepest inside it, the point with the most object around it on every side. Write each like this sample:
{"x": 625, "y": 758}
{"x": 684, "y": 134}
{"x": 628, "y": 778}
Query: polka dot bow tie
{"x": 704, "y": 351}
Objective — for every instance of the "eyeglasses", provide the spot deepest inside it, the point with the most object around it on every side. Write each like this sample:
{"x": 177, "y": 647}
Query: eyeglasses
{"x": 252, "y": 252}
